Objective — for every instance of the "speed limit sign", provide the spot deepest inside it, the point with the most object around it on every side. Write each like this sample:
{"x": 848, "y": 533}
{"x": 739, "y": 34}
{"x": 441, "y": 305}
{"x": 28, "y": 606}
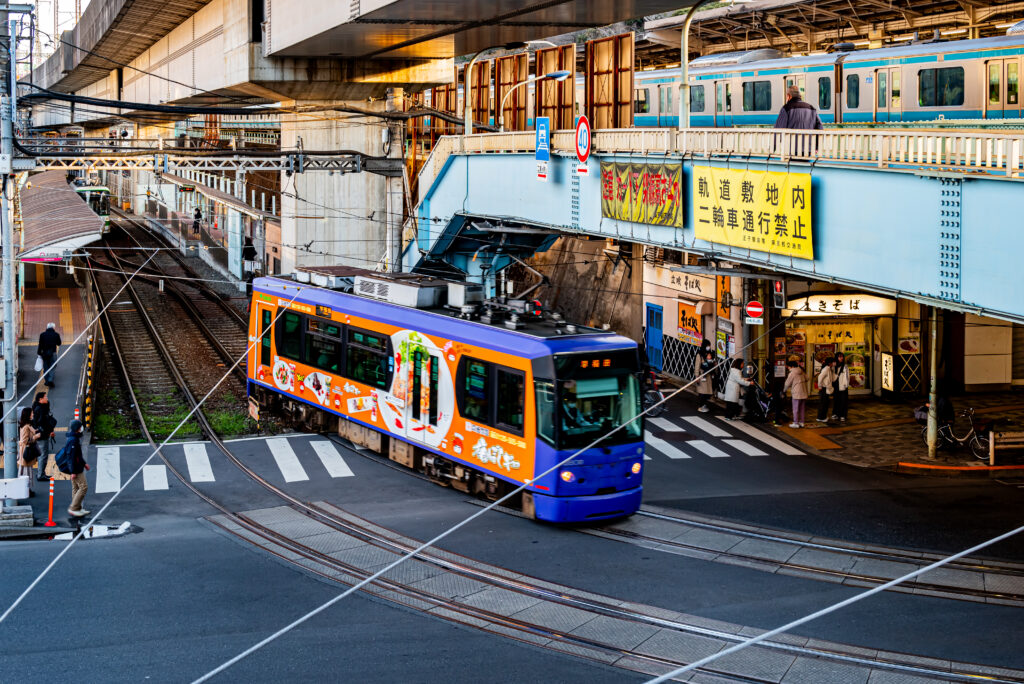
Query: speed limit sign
{"x": 583, "y": 144}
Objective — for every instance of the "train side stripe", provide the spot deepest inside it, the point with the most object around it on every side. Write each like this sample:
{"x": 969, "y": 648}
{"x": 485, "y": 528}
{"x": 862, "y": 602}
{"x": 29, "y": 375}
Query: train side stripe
{"x": 332, "y": 460}
{"x": 287, "y": 461}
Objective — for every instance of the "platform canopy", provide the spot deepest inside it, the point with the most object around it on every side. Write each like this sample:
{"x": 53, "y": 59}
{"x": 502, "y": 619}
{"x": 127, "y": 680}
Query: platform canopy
{"x": 55, "y": 219}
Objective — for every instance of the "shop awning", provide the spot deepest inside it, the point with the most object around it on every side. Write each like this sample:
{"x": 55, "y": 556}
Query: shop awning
{"x": 55, "y": 219}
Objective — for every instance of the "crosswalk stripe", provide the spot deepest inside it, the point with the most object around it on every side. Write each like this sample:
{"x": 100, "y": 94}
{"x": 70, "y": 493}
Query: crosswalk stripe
{"x": 287, "y": 462}
{"x": 666, "y": 425}
{"x": 108, "y": 469}
{"x": 666, "y": 448}
{"x": 765, "y": 438}
{"x": 748, "y": 449}
{"x": 707, "y": 449}
{"x": 706, "y": 425}
{"x": 198, "y": 461}
{"x": 332, "y": 460}
{"x": 154, "y": 477}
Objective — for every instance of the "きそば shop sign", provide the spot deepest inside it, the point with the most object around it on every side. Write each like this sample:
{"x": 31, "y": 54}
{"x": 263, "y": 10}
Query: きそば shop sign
{"x": 762, "y": 210}
{"x": 841, "y": 304}
{"x": 642, "y": 193}
{"x": 690, "y": 328}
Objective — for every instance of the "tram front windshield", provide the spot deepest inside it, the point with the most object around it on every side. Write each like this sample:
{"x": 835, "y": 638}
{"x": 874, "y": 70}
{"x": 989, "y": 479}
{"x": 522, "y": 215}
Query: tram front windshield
{"x": 596, "y": 394}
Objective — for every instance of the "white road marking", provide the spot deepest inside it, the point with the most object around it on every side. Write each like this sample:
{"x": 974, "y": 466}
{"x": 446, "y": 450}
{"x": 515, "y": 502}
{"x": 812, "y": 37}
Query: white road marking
{"x": 765, "y": 438}
{"x": 108, "y": 469}
{"x": 666, "y": 448}
{"x": 287, "y": 462}
{"x": 666, "y": 425}
{"x": 748, "y": 449}
{"x": 706, "y": 425}
{"x": 154, "y": 477}
{"x": 332, "y": 460}
{"x": 198, "y": 461}
{"x": 707, "y": 449}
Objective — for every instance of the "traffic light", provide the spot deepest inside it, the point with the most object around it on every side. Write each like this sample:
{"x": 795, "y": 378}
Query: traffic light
{"x": 778, "y": 294}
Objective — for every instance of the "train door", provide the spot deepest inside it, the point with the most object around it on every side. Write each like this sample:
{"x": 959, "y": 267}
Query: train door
{"x": 1003, "y": 101}
{"x": 723, "y": 104}
{"x": 888, "y": 95}
{"x": 666, "y": 116}
{"x": 654, "y": 333}
{"x": 798, "y": 81}
{"x": 261, "y": 355}
{"x": 421, "y": 411}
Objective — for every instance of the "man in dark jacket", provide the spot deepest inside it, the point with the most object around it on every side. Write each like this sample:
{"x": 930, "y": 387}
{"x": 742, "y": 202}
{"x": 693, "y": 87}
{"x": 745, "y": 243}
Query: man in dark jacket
{"x": 798, "y": 114}
{"x": 79, "y": 485}
{"x": 44, "y": 422}
{"x": 49, "y": 342}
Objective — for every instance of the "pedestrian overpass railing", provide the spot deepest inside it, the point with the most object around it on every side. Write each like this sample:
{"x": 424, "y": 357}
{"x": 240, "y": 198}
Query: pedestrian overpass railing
{"x": 968, "y": 151}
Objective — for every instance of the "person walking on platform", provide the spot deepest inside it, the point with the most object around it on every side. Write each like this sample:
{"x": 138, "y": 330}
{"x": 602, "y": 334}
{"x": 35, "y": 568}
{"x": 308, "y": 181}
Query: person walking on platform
{"x": 841, "y": 404}
{"x": 197, "y": 218}
{"x": 49, "y": 345}
{"x": 28, "y": 449}
{"x": 798, "y": 114}
{"x": 826, "y": 387}
{"x": 704, "y": 365}
{"x": 78, "y": 466}
{"x": 733, "y": 387}
{"x": 796, "y": 384}
{"x": 44, "y": 423}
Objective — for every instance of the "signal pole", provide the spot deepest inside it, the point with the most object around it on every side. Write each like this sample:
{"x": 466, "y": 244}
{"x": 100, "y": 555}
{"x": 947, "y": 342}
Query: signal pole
{"x": 10, "y": 349}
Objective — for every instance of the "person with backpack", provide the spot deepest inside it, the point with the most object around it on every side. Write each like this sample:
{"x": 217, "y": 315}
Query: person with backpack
{"x": 45, "y": 424}
{"x": 71, "y": 461}
{"x": 28, "y": 449}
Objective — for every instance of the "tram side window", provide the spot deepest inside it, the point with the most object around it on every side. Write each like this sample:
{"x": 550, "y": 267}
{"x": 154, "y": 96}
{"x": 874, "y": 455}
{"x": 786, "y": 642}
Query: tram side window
{"x": 852, "y": 91}
{"x": 366, "y": 359}
{"x": 476, "y": 391}
{"x": 545, "y": 391}
{"x": 940, "y": 87}
{"x": 642, "y": 101}
{"x": 757, "y": 96}
{"x": 289, "y": 336}
{"x": 824, "y": 93}
{"x": 323, "y": 345}
{"x": 697, "y": 98}
{"x": 511, "y": 400}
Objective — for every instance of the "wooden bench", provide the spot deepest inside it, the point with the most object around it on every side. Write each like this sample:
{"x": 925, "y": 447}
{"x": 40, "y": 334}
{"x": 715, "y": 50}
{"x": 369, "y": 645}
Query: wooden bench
{"x": 1003, "y": 440}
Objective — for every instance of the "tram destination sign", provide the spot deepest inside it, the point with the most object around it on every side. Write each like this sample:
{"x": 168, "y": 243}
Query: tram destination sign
{"x": 642, "y": 193}
{"x": 763, "y": 210}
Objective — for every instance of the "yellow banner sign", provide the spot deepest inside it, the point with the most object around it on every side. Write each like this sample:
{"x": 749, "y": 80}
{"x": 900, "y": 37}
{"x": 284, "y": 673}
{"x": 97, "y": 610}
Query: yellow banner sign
{"x": 642, "y": 193}
{"x": 690, "y": 324}
{"x": 762, "y": 210}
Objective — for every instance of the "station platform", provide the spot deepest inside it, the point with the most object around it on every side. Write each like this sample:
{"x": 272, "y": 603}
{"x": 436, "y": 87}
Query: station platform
{"x": 51, "y": 298}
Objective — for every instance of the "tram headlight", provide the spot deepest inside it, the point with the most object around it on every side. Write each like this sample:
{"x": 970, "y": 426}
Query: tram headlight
{"x": 636, "y": 468}
{"x": 568, "y": 476}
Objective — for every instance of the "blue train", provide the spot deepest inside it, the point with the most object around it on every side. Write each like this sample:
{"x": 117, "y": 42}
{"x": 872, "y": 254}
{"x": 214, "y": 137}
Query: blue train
{"x": 481, "y": 396}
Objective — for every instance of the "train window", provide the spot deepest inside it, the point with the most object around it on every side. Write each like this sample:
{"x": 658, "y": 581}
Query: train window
{"x": 894, "y": 89}
{"x": 289, "y": 338}
{"x": 323, "y": 345}
{"x": 511, "y": 400}
{"x": 642, "y": 101}
{"x": 665, "y": 102}
{"x": 266, "y": 317}
{"x": 824, "y": 93}
{"x": 595, "y": 398}
{"x": 941, "y": 87}
{"x": 545, "y": 391}
{"x": 995, "y": 72}
{"x": 476, "y": 391}
{"x": 852, "y": 91}
{"x": 1011, "y": 83}
{"x": 697, "y": 98}
{"x": 366, "y": 358}
{"x": 757, "y": 96}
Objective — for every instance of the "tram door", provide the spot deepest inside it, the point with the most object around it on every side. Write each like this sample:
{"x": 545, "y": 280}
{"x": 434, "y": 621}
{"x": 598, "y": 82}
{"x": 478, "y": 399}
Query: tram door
{"x": 723, "y": 104}
{"x": 261, "y": 353}
{"x": 888, "y": 95}
{"x": 422, "y": 409}
{"x": 1003, "y": 101}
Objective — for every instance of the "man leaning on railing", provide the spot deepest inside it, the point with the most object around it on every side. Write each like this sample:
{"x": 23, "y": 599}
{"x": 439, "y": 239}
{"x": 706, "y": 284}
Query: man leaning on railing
{"x": 799, "y": 115}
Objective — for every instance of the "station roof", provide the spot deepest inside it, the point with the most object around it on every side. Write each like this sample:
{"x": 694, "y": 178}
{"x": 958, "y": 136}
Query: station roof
{"x": 55, "y": 218}
{"x": 216, "y": 195}
{"x": 803, "y": 26}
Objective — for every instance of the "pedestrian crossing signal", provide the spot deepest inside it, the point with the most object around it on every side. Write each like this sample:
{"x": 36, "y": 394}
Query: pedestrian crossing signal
{"x": 778, "y": 294}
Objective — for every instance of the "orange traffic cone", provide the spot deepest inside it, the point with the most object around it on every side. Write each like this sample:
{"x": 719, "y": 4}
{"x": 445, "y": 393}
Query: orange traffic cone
{"x": 49, "y": 522}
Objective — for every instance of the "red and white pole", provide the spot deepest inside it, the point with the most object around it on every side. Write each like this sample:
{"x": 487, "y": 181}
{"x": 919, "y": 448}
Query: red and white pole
{"x": 49, "y": 522}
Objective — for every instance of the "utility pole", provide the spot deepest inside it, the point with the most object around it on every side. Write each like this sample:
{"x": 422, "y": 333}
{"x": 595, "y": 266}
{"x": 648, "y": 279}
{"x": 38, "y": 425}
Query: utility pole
{"x": 394, "y": 145}
{"x": 10, "y": 349}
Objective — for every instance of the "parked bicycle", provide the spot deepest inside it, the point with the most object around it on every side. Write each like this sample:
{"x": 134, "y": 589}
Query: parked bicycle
{"x": 976, "y": 437}
{"x": 654, "y": 402}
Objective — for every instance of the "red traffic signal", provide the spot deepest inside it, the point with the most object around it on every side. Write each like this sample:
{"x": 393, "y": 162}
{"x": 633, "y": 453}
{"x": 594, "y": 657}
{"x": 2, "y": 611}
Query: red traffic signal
{"x": 778, "y": 294}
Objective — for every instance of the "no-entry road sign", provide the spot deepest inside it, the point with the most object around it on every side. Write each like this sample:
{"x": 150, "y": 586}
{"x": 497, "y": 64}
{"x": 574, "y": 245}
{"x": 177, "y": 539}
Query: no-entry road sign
{"x": 754, "y": 311}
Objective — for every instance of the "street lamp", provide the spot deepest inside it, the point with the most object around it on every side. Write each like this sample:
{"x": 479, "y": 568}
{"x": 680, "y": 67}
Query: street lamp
{"x": 556, "y": 75}
{"x": 684, "y": 61}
